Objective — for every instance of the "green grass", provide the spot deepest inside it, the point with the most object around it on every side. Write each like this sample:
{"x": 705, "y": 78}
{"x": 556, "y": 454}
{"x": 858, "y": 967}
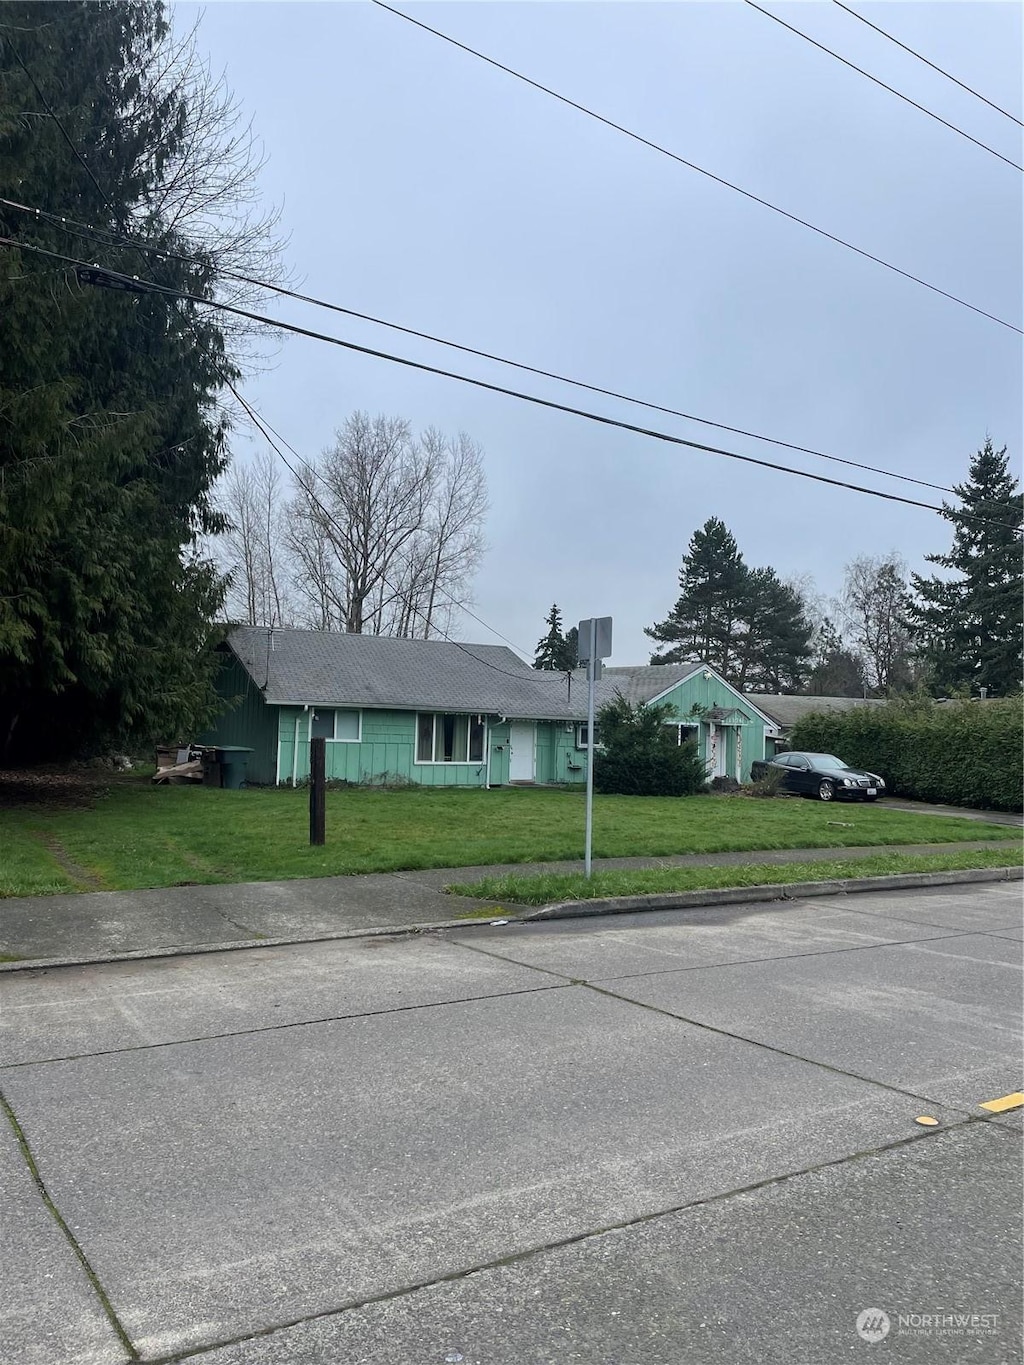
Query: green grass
{"x": 139, "y": 835}
{"x": 547, "y": 888}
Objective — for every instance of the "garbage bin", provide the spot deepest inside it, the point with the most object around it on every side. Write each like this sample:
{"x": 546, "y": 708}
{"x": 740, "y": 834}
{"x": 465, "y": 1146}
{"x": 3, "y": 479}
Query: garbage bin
{"x": 232, "y": 760}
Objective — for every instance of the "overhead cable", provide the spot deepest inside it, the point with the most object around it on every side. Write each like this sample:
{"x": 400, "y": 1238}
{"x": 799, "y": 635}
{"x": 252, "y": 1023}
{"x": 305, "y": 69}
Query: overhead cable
{"x": 891, "y": 89}
{"x": 692, "y": 165}
{"x": 98, "y": 275}
{"x": 914, "y": 53}
{"x": 107, "y": 238}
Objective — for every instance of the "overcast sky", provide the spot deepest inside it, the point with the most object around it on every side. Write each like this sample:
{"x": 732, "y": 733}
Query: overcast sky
{"x": 424, "y": 187}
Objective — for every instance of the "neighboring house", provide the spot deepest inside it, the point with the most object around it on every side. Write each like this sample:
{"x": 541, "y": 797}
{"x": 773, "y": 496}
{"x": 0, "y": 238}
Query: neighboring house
{"x": 438, "y": 713}
{"x": 785, "y": 711}
{"x": 730, "y": 730}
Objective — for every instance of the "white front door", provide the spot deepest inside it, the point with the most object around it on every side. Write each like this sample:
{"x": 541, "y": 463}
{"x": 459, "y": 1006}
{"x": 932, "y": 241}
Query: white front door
{"x": 716, "y": 750}
{"x": 522, "y": 740}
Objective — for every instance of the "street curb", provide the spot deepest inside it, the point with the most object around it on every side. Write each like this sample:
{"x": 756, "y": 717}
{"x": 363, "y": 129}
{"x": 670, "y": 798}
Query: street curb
{"x": 736, "y": 895}
{"x": 609, "y": 905}
{"x": 39, "y": 964}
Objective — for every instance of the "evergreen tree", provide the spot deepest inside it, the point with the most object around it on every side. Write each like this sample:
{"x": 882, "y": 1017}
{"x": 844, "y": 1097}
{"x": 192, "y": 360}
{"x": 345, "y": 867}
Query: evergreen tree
{"x": 640, "y": 754}
{"x": 969, "y": 624}
{"x": 556, "y": 652}
{"x": 837, "y": 671}
{"x": 110, "y": 434}
{"x": 705, "y": 621}
{"x": 774, "y": 652}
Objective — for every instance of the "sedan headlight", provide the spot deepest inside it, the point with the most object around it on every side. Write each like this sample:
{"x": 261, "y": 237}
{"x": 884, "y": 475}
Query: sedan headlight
{"x": 849, "y": 782}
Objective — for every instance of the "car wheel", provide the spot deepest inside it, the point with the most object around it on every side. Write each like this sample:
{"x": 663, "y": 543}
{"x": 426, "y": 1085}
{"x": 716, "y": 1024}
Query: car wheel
{"x": 827, "y": 790}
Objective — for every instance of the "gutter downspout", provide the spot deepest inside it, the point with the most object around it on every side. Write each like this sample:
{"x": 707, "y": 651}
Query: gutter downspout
{"x": 487, "y": 753}
{"x": 295, "y": 746}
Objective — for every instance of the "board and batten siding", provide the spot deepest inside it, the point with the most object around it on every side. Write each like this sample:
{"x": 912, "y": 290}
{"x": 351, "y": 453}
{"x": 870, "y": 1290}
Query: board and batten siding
{"x": 246, "y": 720}
{"x": 707, "y": 694}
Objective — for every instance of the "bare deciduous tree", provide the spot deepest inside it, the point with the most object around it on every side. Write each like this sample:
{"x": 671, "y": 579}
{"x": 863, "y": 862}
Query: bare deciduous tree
{"x": 385, "y": 532}
{"x": 253, "y": 547}
{"x": 874, "y": 607}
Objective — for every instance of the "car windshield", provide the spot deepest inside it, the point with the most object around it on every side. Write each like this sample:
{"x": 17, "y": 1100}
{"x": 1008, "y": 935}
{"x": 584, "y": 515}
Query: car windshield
{"x": 825, "y": 761}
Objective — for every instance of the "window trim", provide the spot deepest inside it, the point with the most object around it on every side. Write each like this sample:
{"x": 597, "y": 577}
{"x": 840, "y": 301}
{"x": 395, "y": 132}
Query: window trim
{"x": 335, "y": 738}
{"x": 466, "y": 762}
{"x": 584, "y": 745}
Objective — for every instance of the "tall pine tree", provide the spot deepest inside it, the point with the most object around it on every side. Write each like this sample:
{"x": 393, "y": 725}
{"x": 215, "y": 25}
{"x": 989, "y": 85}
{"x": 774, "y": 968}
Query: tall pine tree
{"x": 556, "y": 652}
{"x": 744, "y": 622}
{"x": 704, "y": 624}
{"x": 110, "y": 432}
{"x": 774, "y": 652}
{"x": 969, "y": 623}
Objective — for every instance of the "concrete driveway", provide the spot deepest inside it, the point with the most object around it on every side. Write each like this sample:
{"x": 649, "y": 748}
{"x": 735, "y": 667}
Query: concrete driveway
{"x": 647, "y": 1140}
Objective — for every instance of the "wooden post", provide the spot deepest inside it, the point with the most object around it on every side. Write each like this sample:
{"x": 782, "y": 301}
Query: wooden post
{"x": 317, "y": 791}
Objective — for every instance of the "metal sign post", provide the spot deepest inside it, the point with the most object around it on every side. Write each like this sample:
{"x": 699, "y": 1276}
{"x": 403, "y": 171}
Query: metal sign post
{"x": 595, "y": 644}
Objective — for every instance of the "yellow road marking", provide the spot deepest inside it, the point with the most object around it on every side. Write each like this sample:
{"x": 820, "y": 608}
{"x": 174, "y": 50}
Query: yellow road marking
{"x": 1004, "y": 1102}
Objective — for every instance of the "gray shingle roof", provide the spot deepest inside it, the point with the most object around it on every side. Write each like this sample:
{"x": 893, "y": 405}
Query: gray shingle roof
{"x": 786, "y": 710}
{"x": 335, "y": 669}
{"x": 644, "y": 681}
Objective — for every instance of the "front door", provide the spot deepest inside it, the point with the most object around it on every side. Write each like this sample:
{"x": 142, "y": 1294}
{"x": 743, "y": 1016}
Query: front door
{"x": 522, "y": 741}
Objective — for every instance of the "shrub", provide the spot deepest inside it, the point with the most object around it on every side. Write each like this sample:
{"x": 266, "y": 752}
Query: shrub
{"x": 960, "y": 753}
{"x": 768, "y": 784}
{"x": 727, "y": 786}
{"x": 639, "y": 754}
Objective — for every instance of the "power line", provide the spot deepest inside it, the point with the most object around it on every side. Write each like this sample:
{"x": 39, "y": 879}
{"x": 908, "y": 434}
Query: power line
{"x": 264, "y": 428}
{"x": 242, "y": 401}
{"x": 91, "y": 274}
{"x": 63, "y": 131}
{"x": 223, "y": 376}
{"x": 87, "y": 232}
{"x": 263, "y": 422}
{"x": 692, "y": 165}
{"x": 969, "y": 88}
{"x": 891, "y": 89}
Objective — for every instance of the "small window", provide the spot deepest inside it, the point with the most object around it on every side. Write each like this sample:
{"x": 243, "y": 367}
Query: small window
{"x": 686, "y": 734}
{"x": 583, "y": 737}
{"x": 333, "y": 723}
{"x": 424, "y": 739}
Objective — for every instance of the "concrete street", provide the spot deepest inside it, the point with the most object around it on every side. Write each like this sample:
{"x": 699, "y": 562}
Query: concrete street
{"x": 657, "y": 1139}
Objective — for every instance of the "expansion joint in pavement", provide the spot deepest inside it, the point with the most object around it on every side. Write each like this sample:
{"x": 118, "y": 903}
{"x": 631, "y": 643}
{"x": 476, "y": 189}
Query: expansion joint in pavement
{"x": 279, "y": 1028}
{"x": 69, "y": 1236}
{"x": 557, "y": 1244}
{"x": 727, "y": 1033}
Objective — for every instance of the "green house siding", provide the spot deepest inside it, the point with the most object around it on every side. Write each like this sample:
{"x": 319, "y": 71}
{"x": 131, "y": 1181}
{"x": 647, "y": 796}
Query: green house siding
{"x": 730, "y": 736}
{"x": 739, "y": 737}
{"x": 246, "y": 721}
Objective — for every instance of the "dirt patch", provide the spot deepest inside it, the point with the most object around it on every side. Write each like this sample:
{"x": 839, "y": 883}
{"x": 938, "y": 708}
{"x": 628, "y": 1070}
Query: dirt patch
{"x": 87, "y": 881}
{"x": 56, "y": 788}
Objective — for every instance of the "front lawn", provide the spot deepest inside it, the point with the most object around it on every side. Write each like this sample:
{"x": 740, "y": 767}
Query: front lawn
{"x": 135, "y": 834}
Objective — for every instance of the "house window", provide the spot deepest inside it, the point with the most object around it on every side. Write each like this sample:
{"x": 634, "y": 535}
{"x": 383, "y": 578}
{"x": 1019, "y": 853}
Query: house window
{"x": 335, "y": 724}
{"x": 686, "y": 733}
{"x": 446, "y": 737}
{"x": 583, "y": 739}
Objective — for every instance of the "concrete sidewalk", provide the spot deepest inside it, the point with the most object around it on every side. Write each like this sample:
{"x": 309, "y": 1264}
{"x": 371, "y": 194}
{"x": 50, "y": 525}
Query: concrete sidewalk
{"x": 104, "y": 925}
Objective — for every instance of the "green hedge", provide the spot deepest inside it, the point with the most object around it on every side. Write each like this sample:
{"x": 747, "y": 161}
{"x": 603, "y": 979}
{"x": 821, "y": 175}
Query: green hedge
{"x": 959, "y": 753}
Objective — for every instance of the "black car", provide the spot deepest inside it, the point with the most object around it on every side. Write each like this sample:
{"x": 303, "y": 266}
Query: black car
{"x": 821, "y": 775}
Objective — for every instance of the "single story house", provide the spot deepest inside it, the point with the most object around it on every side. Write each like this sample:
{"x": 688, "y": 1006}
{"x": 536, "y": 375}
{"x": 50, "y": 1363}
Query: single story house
{"x": 440, "y": 713}
{"x": 786, "y": 710}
